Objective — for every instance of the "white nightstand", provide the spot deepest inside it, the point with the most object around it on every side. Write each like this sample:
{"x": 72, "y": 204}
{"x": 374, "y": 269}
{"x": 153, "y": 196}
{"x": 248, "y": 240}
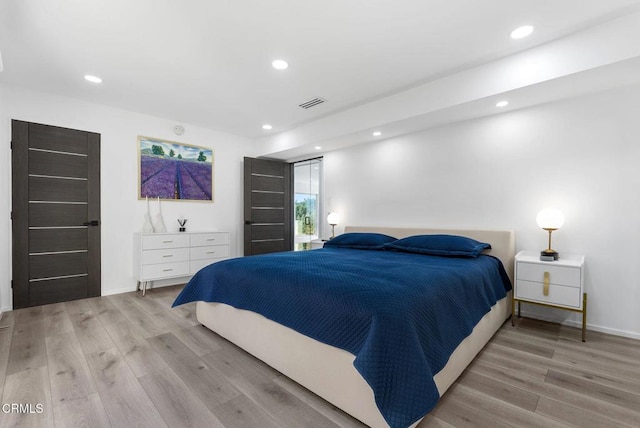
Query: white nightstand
{"x": 317, "y": 243}
{"x": 559, "y": 284}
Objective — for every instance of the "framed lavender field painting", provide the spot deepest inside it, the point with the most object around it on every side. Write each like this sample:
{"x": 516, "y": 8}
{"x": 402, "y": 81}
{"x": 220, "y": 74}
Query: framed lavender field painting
{"x": 174, "y": 171}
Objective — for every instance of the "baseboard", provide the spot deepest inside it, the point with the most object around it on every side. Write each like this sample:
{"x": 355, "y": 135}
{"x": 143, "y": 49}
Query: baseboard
{"x": 578, "y": 324}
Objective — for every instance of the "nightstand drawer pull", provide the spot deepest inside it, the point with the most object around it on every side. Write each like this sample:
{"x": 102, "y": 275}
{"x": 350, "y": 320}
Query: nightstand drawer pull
{"x": 545, "y": 284}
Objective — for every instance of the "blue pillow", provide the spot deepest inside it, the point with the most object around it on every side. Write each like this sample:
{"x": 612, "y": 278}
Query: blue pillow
{"x": 360, "y": 241}
{"x": 439, "y": 245}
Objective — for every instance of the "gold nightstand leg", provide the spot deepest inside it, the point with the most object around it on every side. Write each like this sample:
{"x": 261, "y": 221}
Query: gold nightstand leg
{"x": 519, "y": 307}
{"x": 584, "y": 317}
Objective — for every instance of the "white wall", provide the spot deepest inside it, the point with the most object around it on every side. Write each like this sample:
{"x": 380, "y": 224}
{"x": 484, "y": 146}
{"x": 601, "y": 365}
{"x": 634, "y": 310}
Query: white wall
{"x": 122, "y": 213}
{"x": 581, "y": 156}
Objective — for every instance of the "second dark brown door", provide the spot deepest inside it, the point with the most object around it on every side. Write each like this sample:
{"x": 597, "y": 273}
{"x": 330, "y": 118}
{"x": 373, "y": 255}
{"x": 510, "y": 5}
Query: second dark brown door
{"x": 267, "y": 206}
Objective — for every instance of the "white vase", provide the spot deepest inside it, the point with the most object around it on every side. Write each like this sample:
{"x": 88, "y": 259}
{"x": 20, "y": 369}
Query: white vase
{"x": 158, "y": 223}
{"x": 147, "y": 227}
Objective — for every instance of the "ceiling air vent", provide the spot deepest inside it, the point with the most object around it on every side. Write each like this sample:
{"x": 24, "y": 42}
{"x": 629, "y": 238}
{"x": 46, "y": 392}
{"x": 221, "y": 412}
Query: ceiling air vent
{"x": 312, "y": 103}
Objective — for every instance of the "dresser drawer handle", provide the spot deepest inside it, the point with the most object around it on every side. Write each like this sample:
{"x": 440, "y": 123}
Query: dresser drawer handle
{"x": 168, "y": 255}
{"x": 211, "y": 252}
{"x": 167, "y": 270}
{"x": 167, "y": 242}
{"x": 545, "y": 284}
{"x": 211, "y": 239}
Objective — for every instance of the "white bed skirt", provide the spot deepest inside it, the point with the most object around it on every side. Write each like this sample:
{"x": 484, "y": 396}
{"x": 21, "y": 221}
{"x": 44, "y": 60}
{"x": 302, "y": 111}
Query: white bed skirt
{"x": 324, "y": 369}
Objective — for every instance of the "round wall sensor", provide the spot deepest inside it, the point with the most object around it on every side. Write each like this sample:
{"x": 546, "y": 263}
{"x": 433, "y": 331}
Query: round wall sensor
{"x": 178, "y": 129}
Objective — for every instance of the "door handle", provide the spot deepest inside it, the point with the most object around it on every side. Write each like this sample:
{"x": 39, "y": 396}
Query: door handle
{"x": 248, "y": 222}
{"x": 92, "y": 223}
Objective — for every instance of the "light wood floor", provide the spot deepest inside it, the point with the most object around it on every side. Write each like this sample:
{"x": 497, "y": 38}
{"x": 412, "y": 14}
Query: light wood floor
{"x": 127, "y": 360}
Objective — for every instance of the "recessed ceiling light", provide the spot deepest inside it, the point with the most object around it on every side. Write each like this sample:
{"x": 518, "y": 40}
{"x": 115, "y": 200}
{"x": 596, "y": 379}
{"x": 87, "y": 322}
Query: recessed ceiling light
{"x": 503, "y": 103}
{"x": 318, "y": 148}
{"x": 267, "y": 126}
{"x": 92, "y": 79}
{"x": 280, "y": 64}
{"x": 377, "y": 133}
{"x": 522, "y": 32}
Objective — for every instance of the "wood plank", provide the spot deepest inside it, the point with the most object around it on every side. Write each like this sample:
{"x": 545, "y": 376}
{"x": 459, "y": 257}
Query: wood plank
{"x": 322, "y": 406}
{"x": 162, "y": 314}
{"x": 204, "y": 380}
{"x": 29, "y": 387}
{"x": 573, "y": 416}
{"x": 90, "y": 332}
{"x": 593, "y": 389}
{"x": 509, "y": 394}
{"x": 27, "y": 345}
{"x": 124, "y": 399}
{"x": 6, "y": 333}
{"x": 280, "y": 404}
{"x": 199, "y": 339}
{"x": 501, "y": 409}
{"x": 456, "y": 413}
{"x": 566, "y": 396}
{"x": 86, "y": 412}
{"x": 135, "y": 349}
{"x": 56, "y": 320}
{"x": 242, "y": 412}
{"x": 145, "y": 325}
{"x": 430, "y": 421}
{"x": 539, "y": 366}
{"x": 68, "y": 370}
{"x": 187, "y": 311}
{"x": 178, "y": 406}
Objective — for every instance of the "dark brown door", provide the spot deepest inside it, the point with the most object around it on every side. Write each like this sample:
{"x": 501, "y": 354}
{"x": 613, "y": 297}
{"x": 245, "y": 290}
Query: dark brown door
{"x": 267, "y": 206}
{"x": 55, "y": 213}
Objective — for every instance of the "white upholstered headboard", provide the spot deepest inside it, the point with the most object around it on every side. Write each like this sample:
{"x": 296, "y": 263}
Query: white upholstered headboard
{"x": 503, "y": 242}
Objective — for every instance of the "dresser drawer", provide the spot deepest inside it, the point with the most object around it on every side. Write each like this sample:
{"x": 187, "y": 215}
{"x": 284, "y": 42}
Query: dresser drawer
{"x": 170, "y": 255}
{"x": 559, "y": 295}
{"x": 561, "y": 275}
{"x": 165, "y": 270}
{"x": 155, "y": 242}
{"x": 207, "y": 239}
{"x": 212, "y": 252}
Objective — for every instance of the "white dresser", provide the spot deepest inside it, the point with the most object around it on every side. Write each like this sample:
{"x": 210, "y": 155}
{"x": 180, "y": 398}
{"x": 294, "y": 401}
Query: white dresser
{"x": 159, "y": 256}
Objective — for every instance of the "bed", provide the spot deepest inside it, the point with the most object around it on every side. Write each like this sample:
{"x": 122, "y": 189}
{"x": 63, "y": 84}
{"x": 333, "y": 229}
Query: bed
{"x": 330, "y": 371}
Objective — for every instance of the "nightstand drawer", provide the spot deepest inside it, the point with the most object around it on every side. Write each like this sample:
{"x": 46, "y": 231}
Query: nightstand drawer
{"x": 561, "y": 275}
{"x": 559, "y": 295}
{"x": 170, "y": 255}
{"x": 165, "y": 270}
{"x": 212, "y": 252}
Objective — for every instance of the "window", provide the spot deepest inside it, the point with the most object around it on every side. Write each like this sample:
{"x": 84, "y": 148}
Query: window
{"x": 306, "y": 202}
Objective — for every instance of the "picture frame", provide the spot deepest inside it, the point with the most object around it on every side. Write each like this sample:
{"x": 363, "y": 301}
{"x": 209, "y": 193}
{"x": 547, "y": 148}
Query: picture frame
{"x": 174, "y": 171}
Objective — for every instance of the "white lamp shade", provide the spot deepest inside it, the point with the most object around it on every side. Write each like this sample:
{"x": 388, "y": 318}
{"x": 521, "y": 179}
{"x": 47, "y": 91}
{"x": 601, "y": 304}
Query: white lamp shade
{"x": 550, "y": 218}
{"x": 333, "y": 218}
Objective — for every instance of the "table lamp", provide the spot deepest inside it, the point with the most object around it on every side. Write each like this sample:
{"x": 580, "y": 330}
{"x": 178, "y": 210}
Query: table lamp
{"x": 333, "y": 219}
{"x": 550, "y": 219}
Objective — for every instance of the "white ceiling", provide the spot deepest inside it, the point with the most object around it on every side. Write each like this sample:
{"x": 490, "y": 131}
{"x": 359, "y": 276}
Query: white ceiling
{"x": 208, "y": 62}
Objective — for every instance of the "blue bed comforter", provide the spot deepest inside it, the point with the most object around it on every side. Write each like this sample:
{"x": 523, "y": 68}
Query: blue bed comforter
{"x": 400, "y": 314}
